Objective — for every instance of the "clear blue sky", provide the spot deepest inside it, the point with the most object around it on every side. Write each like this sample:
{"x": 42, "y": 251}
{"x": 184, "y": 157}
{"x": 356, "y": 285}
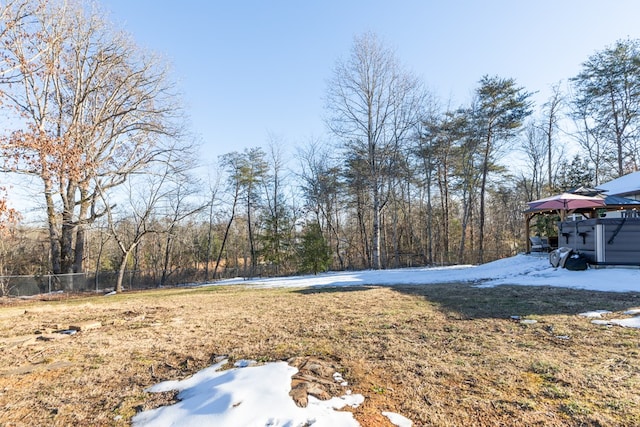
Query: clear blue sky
{"x": 249, "y": 69}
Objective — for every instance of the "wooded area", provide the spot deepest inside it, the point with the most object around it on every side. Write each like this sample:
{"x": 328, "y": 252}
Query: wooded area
{"x": 401, "y": 179}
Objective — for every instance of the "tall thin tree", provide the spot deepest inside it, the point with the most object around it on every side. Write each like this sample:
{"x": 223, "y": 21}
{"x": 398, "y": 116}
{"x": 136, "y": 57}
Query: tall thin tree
{"x": 373, "y": 105}
{"x": 500, "y": 111}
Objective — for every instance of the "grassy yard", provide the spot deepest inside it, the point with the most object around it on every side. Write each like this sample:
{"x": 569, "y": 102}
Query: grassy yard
{"x": 441, "y": 355}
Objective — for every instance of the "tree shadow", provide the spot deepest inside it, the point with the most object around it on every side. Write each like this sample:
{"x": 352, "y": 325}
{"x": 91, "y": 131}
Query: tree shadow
{"x": 324, "y": 289}
{"x": 472, "y": 302}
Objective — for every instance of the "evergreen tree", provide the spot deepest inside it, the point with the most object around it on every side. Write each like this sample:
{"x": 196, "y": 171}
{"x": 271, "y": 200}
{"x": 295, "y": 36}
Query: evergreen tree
{"x": 314, "y": 250}
{"x": 578, "y": 173}
{"x": 607, "y": 103}
{"x": 499, "y": 112}
{"x": 276, "y": 237}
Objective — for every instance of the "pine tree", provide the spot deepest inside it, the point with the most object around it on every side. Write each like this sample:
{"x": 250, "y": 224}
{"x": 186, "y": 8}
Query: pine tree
{"x": 314, "y": 250}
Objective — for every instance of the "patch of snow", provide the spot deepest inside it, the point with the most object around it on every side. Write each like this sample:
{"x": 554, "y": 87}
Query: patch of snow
{"x": 594, "y": 313}
{"x": 250, "y": 396}
{"x": 633, "y": 322}
{"x": 352, "y": 400}
{"x": 397, "y": 419}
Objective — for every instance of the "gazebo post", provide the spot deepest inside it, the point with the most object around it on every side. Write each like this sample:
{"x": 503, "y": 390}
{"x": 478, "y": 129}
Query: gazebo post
{"x": 527, "y": 231}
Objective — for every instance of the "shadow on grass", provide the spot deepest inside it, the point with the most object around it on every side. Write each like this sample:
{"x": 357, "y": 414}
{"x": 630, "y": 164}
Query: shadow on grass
{"x": 322, "y": 289}
{"x": 471, "y": 302}
{"x": 467, "y": 301}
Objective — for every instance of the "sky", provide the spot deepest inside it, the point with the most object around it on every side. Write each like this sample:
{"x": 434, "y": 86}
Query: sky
{"x": 253, "y": 72}
{"x": 258, "y": 395}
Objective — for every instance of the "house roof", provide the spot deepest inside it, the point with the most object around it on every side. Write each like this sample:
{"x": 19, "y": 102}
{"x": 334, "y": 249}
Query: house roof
{"x": 610, "y": 200}
{"x": 624, "y": 186}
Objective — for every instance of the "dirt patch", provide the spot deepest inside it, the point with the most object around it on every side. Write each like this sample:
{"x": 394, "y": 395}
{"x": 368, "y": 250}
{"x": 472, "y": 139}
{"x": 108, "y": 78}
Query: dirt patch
{"x": 441, "y": 355}
{"x": 315, "y": 377}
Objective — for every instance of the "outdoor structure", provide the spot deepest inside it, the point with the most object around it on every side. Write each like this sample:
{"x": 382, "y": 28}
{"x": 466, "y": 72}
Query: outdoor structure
{"x": 603, "y": 227}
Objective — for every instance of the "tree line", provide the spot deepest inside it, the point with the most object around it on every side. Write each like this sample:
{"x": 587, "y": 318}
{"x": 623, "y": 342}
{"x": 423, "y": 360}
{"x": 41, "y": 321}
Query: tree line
{"x": 399, "y": 180}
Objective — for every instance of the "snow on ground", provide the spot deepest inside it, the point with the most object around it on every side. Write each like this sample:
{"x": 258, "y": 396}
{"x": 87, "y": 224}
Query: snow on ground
{"x": 259, "y": 395}
{"x": 248, "y": 396}
{"x": 518, "y": 270}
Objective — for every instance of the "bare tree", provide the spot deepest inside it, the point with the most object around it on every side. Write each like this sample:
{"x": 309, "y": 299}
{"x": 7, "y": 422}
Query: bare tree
{"x": 178, "y": 205}
{"x": 535, "y": 147}
{"x": 595, "y": 145}
{"x": 252, "y": 172}
{"x": 13, "y": 17}
{"x": 214, "y": 188}
{"x": 550, "y": 128}
{"x": 231, "y": 162}
{"x": 93, "y": 106}
{"x": 373, "y": 106}
{"x": 321, "y": 189}
{"x": 143, "y": 203}
{"x": 278, "y": 216}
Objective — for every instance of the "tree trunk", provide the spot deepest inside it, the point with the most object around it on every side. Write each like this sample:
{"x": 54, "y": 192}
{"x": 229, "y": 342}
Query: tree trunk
{"x": 209, "y": 242}
{"x": 366, "y": 253}
{"x": 67, "y": 257}
{"x": 483, "y": 188}
{"x": 226, "y": 235}
{"x": 463, "y": 235}
{"x": 54, "y": 236}
{"x": 375, "y": 233}
{"x": 443, "y": 183}
{"x": 395, "y": 238}
{"x": 81, "y": 236}
{"x": 167, "y": 257}
{"x": 78, "y": 259}
{"x": 252, "y": 249}
{"x": 121, "y": 270}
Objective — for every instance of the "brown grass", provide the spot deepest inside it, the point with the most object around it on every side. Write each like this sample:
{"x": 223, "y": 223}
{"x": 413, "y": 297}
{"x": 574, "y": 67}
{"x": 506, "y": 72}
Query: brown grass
{"x": 441, "y": 355}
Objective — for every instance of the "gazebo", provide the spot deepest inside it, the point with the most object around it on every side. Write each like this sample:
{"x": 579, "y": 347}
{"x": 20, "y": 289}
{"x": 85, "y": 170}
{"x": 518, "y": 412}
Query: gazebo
{"x": 591, "y": 203}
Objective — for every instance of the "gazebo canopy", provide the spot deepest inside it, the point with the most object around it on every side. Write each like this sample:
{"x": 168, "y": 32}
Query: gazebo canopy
{"x": 566, "y": 202}
{"x": 586, "y": 201}
{"x": 570, "y": 202}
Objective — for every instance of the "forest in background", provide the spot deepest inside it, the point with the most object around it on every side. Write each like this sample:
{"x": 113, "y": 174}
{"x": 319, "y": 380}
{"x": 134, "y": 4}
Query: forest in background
{"x": 401, "y": 179}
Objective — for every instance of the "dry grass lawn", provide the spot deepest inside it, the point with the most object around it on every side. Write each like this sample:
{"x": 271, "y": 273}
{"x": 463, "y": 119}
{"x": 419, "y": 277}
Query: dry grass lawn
{"x": 441, "y": 355}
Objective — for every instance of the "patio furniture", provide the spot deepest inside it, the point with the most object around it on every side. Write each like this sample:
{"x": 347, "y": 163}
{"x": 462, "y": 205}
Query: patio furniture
{"x": 539, "y": 244}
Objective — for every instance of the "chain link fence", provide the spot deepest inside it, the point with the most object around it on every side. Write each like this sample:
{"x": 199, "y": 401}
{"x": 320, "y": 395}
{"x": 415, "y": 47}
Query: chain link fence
{"x": 105, "y": 281}
{"x": 80, "y": 282}
{"x": 102, "y": 281}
